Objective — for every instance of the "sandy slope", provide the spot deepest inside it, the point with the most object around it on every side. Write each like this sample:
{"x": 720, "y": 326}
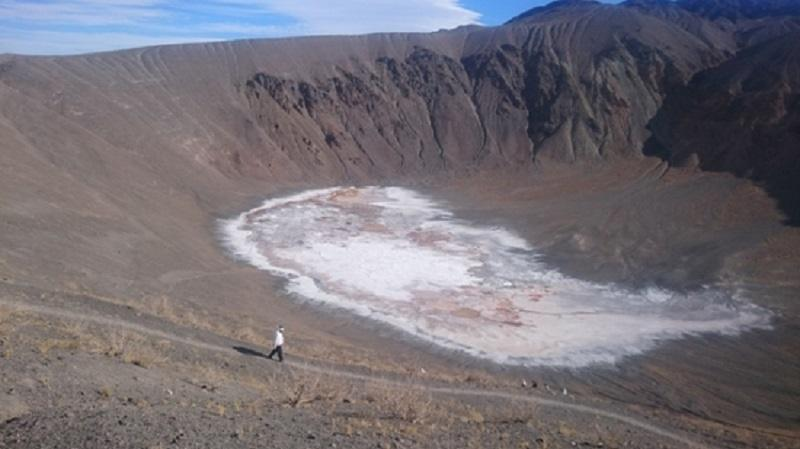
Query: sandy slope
{"x": 61, "y": 311}
{"x": 229, "y": 350}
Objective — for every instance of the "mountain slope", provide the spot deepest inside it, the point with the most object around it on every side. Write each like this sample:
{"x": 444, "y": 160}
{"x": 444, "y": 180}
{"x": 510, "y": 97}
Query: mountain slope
{"x": 741, "y": 9}
{"x": 117, "y": 146}
{"x": 575, "y": 85}
{"x": 743, "y": 117}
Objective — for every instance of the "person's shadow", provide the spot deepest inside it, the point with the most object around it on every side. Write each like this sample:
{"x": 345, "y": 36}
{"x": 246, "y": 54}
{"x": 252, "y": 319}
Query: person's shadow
{"x": 247, "y": 351}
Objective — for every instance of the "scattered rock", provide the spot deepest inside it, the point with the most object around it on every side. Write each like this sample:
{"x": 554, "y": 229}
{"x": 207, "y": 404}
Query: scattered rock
{"x": 11, "y": 408}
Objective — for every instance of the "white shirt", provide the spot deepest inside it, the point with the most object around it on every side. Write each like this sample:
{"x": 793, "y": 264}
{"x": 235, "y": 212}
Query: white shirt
{"x": 278, "y": 338}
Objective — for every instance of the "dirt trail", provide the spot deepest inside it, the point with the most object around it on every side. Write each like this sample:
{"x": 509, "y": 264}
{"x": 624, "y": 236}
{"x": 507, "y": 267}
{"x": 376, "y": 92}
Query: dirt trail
{"x": 383, "y": 381}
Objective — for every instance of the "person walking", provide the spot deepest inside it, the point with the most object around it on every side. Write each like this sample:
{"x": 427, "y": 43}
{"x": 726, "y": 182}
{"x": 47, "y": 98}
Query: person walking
{"x": 278, "y": 348}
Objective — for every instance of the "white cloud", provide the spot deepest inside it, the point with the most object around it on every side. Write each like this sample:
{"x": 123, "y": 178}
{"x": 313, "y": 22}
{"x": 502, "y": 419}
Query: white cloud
{"x": 251, "y": 30}
{"x": 83, "y": 12}
{"x": 366, "y": 16}
{"x": 66, "y": 26}
{"x": 59, "y": 43}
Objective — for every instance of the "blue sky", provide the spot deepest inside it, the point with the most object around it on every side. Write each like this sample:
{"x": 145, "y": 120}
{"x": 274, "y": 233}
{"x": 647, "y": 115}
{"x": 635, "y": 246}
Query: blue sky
{"x": 80, "y": 26}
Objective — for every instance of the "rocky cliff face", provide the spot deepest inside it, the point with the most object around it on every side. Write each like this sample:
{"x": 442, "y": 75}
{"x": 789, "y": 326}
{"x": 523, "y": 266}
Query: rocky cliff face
{"x": 736, "y": 10}
{"x": 573, "y": 83}
{"x": 407, "y": 114}
{"x": 742, "y": 117}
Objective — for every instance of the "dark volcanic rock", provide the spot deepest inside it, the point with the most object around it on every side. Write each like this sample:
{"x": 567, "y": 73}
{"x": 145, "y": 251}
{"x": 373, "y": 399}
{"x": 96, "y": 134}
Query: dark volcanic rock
{"x": 743, "y": 117}
{"x": 579, "y": 84}
{"x": 750, "y": 21}
{"x": 741, "y": 9}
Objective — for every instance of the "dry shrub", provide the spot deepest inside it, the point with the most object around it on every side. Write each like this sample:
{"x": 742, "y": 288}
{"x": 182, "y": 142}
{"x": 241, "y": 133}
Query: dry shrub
{"x": 77, "y": 335}
{"x": 402, "y": 404}
{"x": 78, "y": 329}
{"x": 472, "y": 415}
{"x": 135, "y": 349}
{"x": 412, "y": 410}
{"x": 217, "y": 408}
{"x": 213, "y": 377}
{"x": 9, "y": 318}
{"x": 566, "y": 430}
{"x": 105, "y": 392}
{"x": 250, "y": 335}
{"x": 411, "y": 407}
{"x": 208, "y": 376}
{"x": 307, "y": 388}
{"x": 5, "y": 314}
{"x": 117, "y": 343}
{"x": 246, "y": 330}
{"x": 302, "y": 392}
{"x": 295, "y": 389}
{"x": 606, "y": 436}
{"x": 240, "y": 328}
{"x": 144, "y": 356}
{"x": 46, "y": 345}
{"x": 163, "y": 307}
{"x": 74, "y": 335}
{"x": 44, "y": 381}
{"x": 267, "y": 385}
{"x": 167, "y": 309}
{"x": 5, "y": 350}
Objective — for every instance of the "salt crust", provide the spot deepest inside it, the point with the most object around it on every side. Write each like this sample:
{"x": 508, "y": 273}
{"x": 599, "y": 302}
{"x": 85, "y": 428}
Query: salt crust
{"x": 393, "y": 255}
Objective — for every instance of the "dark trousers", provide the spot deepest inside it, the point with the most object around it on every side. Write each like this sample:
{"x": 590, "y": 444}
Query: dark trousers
{"x": 278, "y": 350}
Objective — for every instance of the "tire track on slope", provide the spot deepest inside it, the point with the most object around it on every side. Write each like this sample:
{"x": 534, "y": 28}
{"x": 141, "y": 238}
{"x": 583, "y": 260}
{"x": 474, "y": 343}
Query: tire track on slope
{"x": 384, "y": 381}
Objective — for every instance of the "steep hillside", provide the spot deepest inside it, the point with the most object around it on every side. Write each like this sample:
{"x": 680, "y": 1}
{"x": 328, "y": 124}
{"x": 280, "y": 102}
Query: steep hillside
{"x": 125, "y": 148}
{"x": 743, "y": 117}
{"x": 577, "y": 83}
{"x": 565, "y": 88}
{"x": 741, "y": 9}
{"x": 750, "y": 21}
